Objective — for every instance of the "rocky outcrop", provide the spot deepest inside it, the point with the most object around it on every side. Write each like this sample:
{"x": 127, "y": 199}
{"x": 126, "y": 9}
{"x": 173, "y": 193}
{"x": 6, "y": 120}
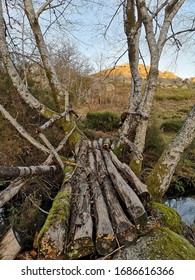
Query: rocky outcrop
{"x": 122, "y": 74}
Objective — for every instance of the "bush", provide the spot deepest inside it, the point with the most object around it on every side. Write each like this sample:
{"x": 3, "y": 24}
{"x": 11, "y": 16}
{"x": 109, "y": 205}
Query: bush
{"x": 154, "y": 139}
{"x": 172, "y": 125}
{"x": 104, "y": 121}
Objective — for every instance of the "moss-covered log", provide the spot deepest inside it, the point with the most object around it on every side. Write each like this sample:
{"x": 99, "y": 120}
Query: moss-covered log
{"x": 52, "y": 235}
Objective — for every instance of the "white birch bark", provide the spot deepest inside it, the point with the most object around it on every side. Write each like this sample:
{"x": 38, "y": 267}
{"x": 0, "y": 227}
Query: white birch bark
{"x": 12, "y": 172}
{"x": 16, "y": 80}
{"x": 61, "y": 96}
{"x": 155, "y": 43}
{"x": 159, "y": 179}
{"x": 23, "y": 132}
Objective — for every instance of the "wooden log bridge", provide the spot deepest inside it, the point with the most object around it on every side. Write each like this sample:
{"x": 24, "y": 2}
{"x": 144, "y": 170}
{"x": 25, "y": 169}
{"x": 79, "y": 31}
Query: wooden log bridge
{"x": 106, "y": 208}
{"x": 98, "y": 209}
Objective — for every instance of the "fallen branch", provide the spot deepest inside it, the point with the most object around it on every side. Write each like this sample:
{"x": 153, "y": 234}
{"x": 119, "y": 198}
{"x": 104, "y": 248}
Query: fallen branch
{"x": 13, "y": 172}
{"x": 11, "y": 191}
{"x": 54, "y": 119}
{"x": 60, "y": 146}
{"x": 52, "y": 149}
{"x": 22, "y": 131}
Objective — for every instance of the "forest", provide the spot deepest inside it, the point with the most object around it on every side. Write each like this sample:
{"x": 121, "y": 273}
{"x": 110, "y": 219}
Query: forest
{"x": 96, "y": 162}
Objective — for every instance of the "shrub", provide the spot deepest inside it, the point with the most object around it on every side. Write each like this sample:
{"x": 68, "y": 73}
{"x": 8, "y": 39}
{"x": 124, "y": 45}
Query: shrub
{"x": 105, "y": 121}
{"x": 172, "y": 125}
{"x": 154, "y": 139}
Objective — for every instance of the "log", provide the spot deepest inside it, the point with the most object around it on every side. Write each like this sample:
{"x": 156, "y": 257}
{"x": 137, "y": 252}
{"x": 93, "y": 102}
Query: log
{"x": 81, "y": 232}
{"x": 105, "y": 237}
{"x": 133, "y": 204}
{"x": 12, "y": 172}
{"x": 137, "y": 185}
{"x": 123, "y": 228}
{"x": 81, "y": 224}
{"x": 52, "y": 236}
{"x": 9, "y": 246}
{"x": 11, "y": 191}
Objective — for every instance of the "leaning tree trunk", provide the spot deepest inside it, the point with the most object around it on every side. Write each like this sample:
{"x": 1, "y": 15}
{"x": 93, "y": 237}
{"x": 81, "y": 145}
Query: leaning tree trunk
{"x": 159, "y": 179}
{"x": 13, "y": 73}
{"x": 61, "y": 96}
{"x": 135, "y": 126}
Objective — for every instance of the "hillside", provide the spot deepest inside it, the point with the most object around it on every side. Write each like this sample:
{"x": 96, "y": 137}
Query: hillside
{"x": 124, "y": 71}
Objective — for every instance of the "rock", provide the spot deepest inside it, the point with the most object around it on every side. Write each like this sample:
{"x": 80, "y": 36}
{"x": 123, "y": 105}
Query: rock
{"x": 161, "y": 244}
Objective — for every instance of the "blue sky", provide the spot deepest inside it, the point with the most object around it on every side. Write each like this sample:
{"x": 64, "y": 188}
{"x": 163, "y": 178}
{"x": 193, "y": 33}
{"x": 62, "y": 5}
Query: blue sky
{"x": 104, "y": 51}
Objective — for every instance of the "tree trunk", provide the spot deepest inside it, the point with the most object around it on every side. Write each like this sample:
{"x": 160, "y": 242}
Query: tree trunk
{"x": 140, "y": 188}
{"x": 159, "y": 179}
{"x": 61, "y": 97}
{"x": 16, "y": 80}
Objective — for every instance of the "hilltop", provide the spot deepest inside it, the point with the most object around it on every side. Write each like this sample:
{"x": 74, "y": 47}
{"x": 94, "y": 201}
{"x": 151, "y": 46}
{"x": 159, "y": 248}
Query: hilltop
{"x": 124, "y": 70}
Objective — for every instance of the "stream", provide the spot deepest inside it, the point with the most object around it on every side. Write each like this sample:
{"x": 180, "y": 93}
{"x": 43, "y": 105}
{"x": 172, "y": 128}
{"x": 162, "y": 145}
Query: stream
{"x": 185, "y": 206}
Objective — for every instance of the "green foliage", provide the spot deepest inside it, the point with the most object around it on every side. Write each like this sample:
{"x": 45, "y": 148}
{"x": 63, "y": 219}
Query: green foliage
{"x": 177, "y": 94}
{"x": 104, "y": 121}
{"x": 181, "y": 185}
{"x": 172, "y": 125}
{"x": 154, "y": 139}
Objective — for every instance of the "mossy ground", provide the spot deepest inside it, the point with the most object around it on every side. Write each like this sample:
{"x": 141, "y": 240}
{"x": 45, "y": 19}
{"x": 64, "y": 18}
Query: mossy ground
{"x": 169, "y": 217}
{"x": 164, "y": 244}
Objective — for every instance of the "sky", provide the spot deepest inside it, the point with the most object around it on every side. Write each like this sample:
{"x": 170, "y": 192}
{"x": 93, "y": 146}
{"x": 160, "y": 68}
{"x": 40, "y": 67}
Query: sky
{"x": 86, "y": 25}
{"x": 103, "y": 51}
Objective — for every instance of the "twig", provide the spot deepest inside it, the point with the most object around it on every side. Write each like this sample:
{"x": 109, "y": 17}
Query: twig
{"x": 116, "y": 250}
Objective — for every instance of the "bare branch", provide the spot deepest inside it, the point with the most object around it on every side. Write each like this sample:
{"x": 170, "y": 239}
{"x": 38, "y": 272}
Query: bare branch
{"x": 43, "y": 7}
{"x": 13, "y": 172}
{"x": 52, "y": 149}
{"x": 22, "y": 131}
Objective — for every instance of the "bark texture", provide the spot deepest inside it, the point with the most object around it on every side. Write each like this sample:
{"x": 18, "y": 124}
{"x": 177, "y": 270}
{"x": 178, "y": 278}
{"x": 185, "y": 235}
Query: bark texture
{"x": 159, "y": 179}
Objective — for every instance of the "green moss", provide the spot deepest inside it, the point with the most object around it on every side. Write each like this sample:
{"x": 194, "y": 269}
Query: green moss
{"x": 136, "y": 166}
{"x": 60, "y": 211}
{"x": 153, "y": 181}
{"x": 164, "y": 244}
{"x": 169, "y": 217}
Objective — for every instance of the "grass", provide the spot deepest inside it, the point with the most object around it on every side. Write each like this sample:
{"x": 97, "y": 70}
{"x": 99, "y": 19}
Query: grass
{"x": 174, "y": 94}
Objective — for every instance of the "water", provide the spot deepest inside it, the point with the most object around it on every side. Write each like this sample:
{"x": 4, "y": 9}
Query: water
{"x": 185, "y": 206}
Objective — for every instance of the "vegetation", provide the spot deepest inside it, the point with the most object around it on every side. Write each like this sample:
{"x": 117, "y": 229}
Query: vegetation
{"x": 104, "y": 121}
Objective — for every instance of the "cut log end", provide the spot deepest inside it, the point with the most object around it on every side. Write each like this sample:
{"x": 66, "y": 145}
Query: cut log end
{"x": 80, "y": 248}
{"x": 141, "y": 221}
{"x": 105, "y": 243}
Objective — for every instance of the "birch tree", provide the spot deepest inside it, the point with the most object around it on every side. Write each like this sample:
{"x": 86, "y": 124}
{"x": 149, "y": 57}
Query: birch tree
{"x": 156, "y": 18}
